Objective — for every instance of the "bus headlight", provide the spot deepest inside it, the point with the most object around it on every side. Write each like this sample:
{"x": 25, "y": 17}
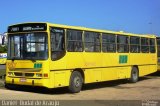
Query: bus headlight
{"x": 38, "y": 75}
{"x": 10, "y": 74}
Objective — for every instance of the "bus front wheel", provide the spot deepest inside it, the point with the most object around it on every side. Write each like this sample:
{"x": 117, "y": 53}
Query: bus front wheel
{"x": 134, "y": 75}
{"x": 76, "y": 82}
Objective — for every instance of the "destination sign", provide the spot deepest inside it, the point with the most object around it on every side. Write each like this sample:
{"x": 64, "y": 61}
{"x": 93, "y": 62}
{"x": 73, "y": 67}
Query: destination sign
{"x": 27, "y": 27}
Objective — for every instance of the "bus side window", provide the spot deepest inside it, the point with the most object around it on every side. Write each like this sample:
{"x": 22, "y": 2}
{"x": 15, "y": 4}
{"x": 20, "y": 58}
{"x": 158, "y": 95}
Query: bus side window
{"x": 122, "y": 44}
{"x": 134, "y": 44}
{"x": 57, "y": 43}
{"x": 152, "y": 45}
{"x": 92, "y": 42}
{"x": 74, "y": 41}
{"x": 144, "y": 45}
{"x": 108, "y": 42}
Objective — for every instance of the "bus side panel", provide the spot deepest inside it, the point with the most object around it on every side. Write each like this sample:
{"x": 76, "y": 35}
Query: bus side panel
{"x": 106, "y": 74}
{"x": 75, "y": 60}
{"x": 110, "y": 69}
{"x": 58, "y": 64}
{"x": 143, "y": 70}
{"x": 59, "y": 78}
{"x": 93, "y": 75}
{"x": 114, "y": 67}
{"x": 90, "y": 62}
{"x": 109, "y": 74}
{"x": 110, "y": 59}
{"x": 146, "y": 62}
{"x": 153, "y": 68}
{"x": 92, "y": 65}
{"x": 139, "y": 59}
{"x": 154, "y": 58}
{"x": 124, "y": 72}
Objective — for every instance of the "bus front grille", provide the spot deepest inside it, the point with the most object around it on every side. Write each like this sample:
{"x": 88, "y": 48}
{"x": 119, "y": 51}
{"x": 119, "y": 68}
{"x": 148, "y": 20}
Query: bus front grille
{"x": 24, "y": 74}
{"x": 29, "y": 74}
{"x": 18, "y": 74}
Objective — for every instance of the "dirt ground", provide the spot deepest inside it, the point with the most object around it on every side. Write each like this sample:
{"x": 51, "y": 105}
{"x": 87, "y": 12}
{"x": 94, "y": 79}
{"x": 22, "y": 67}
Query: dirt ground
{"x": 147, "y": 88}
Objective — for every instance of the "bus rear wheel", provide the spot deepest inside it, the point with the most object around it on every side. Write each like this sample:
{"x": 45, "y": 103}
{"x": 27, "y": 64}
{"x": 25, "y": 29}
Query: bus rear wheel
{"x": 134, "y": 75}
{"x": 76, "y": 82}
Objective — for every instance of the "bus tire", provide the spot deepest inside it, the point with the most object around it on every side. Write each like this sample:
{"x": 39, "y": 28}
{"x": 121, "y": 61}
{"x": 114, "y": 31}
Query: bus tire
{"x": 134, "y": 75}
{"x": 76, "y": 82}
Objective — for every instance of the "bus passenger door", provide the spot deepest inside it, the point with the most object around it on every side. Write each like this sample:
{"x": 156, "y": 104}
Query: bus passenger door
{"x": 57, "y": 63}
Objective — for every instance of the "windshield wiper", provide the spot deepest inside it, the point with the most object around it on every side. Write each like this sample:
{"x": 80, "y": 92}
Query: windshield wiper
{"x": 13, "y": 58}
{"x": 33, "y": 60}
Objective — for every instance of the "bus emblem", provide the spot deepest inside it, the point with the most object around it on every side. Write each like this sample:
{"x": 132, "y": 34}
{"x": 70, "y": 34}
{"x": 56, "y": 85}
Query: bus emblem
{"x": 11, "y": 65}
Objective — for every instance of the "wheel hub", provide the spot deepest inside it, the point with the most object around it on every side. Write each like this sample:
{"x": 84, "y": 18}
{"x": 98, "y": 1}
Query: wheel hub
{"x": 77, "y": 82}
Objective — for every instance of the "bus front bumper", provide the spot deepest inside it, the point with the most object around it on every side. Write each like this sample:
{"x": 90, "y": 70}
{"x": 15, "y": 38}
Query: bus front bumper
{"x": 27, "y": 81}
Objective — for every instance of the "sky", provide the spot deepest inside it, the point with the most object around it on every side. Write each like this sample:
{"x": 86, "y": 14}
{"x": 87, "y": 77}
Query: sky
{"x": 133, "y": 16}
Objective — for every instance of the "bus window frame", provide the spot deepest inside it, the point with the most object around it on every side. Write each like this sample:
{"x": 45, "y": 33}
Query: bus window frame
{"x": 94, "y": 43}
{"x": 59, "y": 54}
{"x": 80, "y": 41}
{"x": 138, "y": 50}
{"x": 126, "y": 44}
{"x": 145, "y": 45}
{"x": 110, "y": 43}
{"x": 154, "y": 45}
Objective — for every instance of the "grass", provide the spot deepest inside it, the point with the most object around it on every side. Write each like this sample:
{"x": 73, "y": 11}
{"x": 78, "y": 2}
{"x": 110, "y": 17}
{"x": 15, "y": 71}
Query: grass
{"x": 2, "y": 72}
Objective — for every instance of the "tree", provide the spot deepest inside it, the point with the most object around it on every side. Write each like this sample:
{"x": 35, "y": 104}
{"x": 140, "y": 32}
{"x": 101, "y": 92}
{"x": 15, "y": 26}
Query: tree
{"x": 3, "y": 49}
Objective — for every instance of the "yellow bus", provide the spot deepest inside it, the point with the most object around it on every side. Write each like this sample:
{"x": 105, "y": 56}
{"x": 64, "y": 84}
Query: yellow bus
{"x": 3, "y": 58}
{"x": 53, "y": 55}
{"x": 158, "y": 52}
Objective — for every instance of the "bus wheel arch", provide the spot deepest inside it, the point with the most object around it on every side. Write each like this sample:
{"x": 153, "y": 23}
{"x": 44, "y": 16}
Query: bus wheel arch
{"x": 134, "y": 75}
{"x": 76, "y": 81}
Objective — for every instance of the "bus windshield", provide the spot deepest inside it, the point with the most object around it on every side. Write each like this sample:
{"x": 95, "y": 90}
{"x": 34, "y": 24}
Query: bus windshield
{"x": 29, "y": 46}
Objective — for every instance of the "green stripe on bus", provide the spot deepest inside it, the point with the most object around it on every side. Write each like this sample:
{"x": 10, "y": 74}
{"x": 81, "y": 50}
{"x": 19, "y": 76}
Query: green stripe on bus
{"x": 37, "y": 65}
{"x": 123, "y": 59}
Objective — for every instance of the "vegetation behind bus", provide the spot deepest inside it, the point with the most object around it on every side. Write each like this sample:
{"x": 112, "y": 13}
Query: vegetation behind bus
{"x": 3, "y": 48}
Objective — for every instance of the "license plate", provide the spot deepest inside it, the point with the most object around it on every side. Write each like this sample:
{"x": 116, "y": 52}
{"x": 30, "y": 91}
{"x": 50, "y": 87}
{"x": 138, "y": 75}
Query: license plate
{"x": 23, "y": 80}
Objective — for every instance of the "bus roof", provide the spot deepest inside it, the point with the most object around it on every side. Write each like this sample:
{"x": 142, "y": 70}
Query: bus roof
{"x": 89, "y": 29}
{"x": 99, "y": 30}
